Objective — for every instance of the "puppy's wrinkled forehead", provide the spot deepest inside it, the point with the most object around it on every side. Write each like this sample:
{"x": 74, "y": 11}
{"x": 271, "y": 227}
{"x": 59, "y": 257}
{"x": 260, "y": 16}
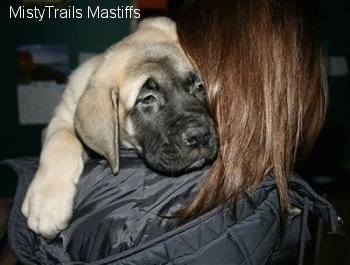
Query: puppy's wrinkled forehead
{"x": 165, "y": 69}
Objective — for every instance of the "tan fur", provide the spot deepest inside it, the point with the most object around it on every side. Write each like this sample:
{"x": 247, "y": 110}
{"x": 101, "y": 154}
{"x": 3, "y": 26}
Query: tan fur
{"x": 89, "y": 106}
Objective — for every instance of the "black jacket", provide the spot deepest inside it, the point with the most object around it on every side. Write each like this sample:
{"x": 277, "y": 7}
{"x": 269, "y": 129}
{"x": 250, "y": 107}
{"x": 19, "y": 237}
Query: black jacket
{"x": 124, "y": 219}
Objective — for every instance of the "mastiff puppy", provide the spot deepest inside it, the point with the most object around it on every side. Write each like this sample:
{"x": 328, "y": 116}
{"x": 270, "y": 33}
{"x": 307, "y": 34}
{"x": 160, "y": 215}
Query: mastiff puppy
{"x": 142, "y": 93}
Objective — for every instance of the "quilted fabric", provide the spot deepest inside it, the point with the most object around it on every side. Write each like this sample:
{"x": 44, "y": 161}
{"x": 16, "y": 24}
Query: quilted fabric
{"x": 124, "y": 219}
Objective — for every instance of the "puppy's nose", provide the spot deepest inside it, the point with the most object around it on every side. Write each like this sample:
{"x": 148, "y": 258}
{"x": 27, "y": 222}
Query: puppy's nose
{"x": 196, "y": 137}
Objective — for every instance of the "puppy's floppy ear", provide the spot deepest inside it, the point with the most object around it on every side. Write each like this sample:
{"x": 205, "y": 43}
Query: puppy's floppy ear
{"x": 96, "y": 121}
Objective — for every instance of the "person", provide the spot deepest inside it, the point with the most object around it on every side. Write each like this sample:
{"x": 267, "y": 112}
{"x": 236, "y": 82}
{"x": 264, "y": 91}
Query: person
{"x": 265, "y": 80}
{"x": 266, "y": 85}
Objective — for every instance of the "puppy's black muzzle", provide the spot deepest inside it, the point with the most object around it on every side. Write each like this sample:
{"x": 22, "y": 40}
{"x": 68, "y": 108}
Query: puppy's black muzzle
{"x": 195, "y": 135}
{"x": 189, "y": 142}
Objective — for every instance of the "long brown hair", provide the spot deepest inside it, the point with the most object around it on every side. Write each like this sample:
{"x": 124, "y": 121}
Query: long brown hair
{"x": 262, "y": 65}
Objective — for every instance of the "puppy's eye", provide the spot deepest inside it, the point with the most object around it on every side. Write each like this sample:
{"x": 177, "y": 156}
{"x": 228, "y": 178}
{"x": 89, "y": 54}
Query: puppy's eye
{"x": 148, "y": 99}
{"x": 199, "y": 87}
{"x": 150, "y": 84}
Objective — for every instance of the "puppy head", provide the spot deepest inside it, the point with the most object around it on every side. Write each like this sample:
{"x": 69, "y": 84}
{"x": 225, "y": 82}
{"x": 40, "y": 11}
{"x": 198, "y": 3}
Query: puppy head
{"x": 167, "y": 121}
{"x": 147, "y": 95}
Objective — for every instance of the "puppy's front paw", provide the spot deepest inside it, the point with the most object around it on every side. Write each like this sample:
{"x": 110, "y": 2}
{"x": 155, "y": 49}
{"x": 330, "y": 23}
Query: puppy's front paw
{"x": 48, "y": 204}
